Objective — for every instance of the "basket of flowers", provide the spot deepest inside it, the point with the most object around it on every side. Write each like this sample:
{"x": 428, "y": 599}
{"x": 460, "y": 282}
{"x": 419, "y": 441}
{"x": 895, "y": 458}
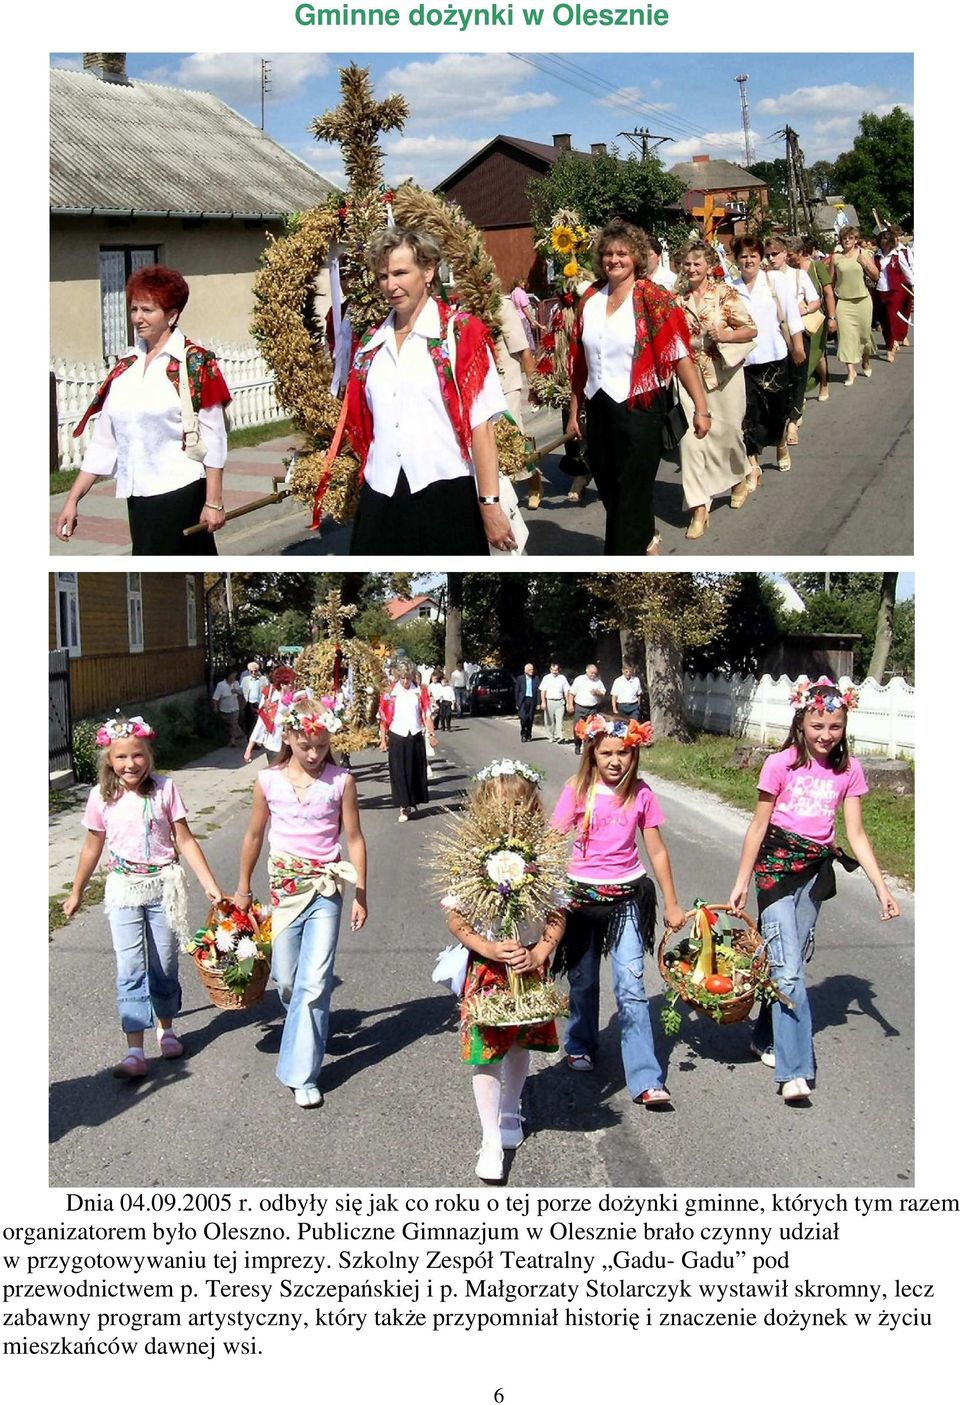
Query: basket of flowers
{"x": 232, "y": 954}
{"x": 503, "y": 868}
{"x": 715, "y": 962}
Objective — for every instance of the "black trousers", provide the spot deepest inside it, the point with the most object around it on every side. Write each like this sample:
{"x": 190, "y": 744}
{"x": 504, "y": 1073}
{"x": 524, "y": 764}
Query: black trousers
{"x": 579, "y": 713}
{"x": 624, "y": 448}
{"x": 157, "y": 523}
{"x": 446, "y": 711}
{"x": 442, "y": 518}
{"x": 768, "y": 405}
{"x": 526, "y": 710}
{"x": 797, "y": 382}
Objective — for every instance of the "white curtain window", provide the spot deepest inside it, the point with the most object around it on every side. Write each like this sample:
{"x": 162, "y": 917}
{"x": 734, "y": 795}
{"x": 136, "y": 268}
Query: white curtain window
{"x": 191, "y": 610}
{"x": 135, "y": 612}
{"x": 68, "y": 612}
{"x": 116, "y": 265}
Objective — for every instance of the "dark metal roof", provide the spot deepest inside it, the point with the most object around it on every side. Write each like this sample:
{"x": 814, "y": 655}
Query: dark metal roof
{"x": 141, "y": 148}
{"x": 714, "y": 175}
{"x": 540, "y": 151}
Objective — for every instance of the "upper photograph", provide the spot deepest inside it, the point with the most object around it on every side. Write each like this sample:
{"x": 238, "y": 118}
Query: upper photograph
{"x": 481, "y": 305}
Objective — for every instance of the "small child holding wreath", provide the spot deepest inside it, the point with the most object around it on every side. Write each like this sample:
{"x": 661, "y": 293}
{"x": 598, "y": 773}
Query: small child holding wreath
{"x": 790, "y": 847}
{"x": 141, "y": 819}
{"x": 306, "y": 800}
{"x": 612, "y": 903}
{"x": 502, "y": 905}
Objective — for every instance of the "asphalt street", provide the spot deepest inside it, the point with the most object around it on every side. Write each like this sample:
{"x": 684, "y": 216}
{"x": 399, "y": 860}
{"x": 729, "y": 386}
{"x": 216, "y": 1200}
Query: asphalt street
{"x": 398, "y": 1105}
{"x": 849, "y": 492}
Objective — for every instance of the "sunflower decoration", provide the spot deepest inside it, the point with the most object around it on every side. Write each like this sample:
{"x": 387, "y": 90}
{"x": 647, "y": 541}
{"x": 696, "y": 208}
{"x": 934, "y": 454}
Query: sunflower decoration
{"x": 570, "y": 241}
{"x": 340, "y": 666}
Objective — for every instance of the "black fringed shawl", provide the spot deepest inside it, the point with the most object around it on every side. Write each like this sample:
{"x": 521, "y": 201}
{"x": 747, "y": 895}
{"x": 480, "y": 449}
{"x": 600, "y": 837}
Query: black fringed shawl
{"x": 596, "y": 914}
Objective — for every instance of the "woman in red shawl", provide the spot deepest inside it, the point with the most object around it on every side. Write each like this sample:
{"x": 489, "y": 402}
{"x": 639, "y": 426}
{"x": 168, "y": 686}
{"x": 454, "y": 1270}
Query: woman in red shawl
{"x": 421, "y": 402}
{"x": 169, "y": 471}
{"x": 629, "y": 339}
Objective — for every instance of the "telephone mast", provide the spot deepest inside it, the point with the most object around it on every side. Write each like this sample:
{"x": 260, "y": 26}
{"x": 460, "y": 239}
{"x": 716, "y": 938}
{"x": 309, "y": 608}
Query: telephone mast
{"x": 748, "y": 151}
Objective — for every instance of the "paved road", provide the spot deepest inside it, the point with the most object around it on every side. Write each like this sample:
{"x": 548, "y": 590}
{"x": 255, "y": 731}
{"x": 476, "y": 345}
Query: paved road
{"x": 398, "y": 1105}
{"x": 850, "y": 491}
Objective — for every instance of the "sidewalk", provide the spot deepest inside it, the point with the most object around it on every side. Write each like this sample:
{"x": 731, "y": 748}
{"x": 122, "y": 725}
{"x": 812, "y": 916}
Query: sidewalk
{"x": 212, "y": 789}
{"x": 102, "y": 529}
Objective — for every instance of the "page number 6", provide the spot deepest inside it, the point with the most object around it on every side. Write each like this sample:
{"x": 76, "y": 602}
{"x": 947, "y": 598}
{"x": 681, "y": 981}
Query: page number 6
{"x": 498, "y": 1396}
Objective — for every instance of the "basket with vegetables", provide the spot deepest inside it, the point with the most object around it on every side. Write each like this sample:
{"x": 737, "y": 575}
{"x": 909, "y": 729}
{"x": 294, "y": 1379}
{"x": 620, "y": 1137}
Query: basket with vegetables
{"x": 232, "y": 954}
{"x": 717, "y": 963}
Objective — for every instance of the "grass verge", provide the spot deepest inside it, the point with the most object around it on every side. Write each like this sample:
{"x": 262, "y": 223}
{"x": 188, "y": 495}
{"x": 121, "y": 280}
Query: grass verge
{"x": 707, "y": 764}
{"x": 92, "y": 895}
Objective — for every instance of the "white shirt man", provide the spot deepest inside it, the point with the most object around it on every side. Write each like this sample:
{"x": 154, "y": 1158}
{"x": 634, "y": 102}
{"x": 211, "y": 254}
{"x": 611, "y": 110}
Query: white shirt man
{"x": 588, "y": 691}
{"x": 625, "y": 693}
{"x": 553, "y": 697}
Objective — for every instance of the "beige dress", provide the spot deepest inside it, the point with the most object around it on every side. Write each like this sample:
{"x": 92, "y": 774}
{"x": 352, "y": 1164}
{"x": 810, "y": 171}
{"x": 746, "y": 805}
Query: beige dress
{"x": 712, "y": 465}
{"x": 854, "y": 310}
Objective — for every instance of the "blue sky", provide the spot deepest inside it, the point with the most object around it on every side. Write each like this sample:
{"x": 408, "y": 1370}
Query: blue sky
{"x": 458, "y": 102}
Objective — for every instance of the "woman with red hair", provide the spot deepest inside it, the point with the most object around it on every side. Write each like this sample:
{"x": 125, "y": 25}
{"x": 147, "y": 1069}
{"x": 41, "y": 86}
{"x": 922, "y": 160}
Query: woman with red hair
{"x": 160, "y": 430}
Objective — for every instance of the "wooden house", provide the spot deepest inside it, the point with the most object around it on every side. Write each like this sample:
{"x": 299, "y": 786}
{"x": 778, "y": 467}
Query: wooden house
{"x": 130, "y": 638}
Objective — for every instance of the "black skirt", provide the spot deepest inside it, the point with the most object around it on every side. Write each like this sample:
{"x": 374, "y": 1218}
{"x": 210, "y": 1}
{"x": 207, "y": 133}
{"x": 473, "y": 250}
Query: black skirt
{"x": 407, "y": 759}
{"x": 157, "y": 523}
{"x": 768, "y": 405}
{"x": 442, "y": 518}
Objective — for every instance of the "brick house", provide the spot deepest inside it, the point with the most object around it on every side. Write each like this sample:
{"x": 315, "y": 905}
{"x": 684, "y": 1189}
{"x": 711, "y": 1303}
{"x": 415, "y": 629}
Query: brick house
{"x": 716, "y": 184}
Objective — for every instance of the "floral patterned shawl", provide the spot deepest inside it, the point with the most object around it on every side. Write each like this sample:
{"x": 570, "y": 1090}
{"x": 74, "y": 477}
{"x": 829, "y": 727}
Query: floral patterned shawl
{"x": 662, "y": 339}
{"x": 207, "y": 386}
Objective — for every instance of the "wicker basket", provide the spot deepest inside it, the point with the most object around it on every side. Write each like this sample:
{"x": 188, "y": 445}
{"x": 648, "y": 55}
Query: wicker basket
{"x": 733, "y": 1008}
{"x": 226, "y": 999}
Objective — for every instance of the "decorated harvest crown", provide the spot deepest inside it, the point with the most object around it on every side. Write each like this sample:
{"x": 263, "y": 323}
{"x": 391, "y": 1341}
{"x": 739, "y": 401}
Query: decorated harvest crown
{"x": 632, "y": 733}
{"x": 117, "y": 729}
{"x": 566, "y": 242}
{"x": 507, "y": 767}
{"x": 823, "y": 696}
{"x": 310, "y": 721}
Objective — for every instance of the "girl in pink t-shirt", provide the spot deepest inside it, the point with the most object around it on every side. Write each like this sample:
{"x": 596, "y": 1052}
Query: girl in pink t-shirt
{"x": 306, "y": 800}
{"x": 612, "y": 907}
{"x": 790, "y": 848}
{"x": 142, "y": 821}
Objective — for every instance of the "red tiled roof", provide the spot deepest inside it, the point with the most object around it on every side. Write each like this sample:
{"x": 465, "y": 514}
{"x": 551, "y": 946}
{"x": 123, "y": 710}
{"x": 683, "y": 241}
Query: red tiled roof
{"x": 396, "y": 609}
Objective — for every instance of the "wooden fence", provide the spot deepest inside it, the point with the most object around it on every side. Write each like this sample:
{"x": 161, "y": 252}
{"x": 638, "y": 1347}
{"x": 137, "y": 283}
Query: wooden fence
{"x": 58, "y": 687}
{"x": 76, "y": 382}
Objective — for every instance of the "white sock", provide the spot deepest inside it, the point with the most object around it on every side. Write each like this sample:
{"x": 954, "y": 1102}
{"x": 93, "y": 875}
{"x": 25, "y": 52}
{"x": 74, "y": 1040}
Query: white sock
{"x": 486, "y": 1093}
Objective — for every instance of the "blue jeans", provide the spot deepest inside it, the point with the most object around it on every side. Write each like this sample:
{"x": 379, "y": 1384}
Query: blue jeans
{"x": 636, "y": 1033}
{"x": 148, "y": 985}
{"x": 303, "y": 957}
{"x": 787, "y": 927}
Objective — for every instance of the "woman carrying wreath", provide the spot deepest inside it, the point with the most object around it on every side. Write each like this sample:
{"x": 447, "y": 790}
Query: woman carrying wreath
{"x": 717, "y": 318}
{"x": 422, "y": 399}
{"x": 628, "y": 341}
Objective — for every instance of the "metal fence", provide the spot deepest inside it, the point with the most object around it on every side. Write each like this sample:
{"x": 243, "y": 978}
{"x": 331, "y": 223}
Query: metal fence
{"x": 883, "y": 724}
{"x": 61, "y": 748}
{"x": 244, "y": 369}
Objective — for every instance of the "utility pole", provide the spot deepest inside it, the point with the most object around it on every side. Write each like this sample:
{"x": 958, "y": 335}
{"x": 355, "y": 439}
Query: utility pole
{"x": 264, "y": 89}
{"x": 642, "y": 138}
{"x": 748, "y": 152}
{"x": 798, "y": 198}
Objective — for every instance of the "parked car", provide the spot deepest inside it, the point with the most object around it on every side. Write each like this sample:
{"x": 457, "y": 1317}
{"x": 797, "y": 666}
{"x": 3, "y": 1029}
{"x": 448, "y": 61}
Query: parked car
{"x": 491, "y": 690}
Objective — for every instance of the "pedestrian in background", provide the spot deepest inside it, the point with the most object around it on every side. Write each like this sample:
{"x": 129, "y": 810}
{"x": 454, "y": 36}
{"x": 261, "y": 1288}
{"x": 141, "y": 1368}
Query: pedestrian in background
{"x": 587, "y": 692}
{"x": 252, "y": 685}
{"x": 226, "y": 704}
{"x": 625, "y": 693}
{"x": 458, "y": 681}
{"x": 554, "y": 690}
{"x": 527, "y": 694}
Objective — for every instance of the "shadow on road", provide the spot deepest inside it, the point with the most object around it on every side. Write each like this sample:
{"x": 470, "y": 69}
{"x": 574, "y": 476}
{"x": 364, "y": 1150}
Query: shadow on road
{"x": 360, "y": 1039}
{"x": 838, "y": 998}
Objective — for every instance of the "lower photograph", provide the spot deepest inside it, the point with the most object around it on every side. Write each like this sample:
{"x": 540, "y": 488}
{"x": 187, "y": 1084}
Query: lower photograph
{"x": 380, "y": 879}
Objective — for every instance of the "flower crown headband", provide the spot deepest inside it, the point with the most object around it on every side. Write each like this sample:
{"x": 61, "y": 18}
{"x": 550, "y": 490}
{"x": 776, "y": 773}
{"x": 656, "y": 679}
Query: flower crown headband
{"x": 823, "y": 696}
{"x": 117, "y": 729}
{"x": 312, "y": 723}
{"x": 507, "y": 767}
{"x": 632, "y": 733}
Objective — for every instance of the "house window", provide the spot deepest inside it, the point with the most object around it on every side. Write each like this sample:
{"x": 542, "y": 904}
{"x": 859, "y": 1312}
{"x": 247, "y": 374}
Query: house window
{"x": 191, "y": 611}
{"x": 68, "y": 613}
{"x": 116, "y": 265}
{"x": 423, "y": 612}
{"x": 135, "y": 612}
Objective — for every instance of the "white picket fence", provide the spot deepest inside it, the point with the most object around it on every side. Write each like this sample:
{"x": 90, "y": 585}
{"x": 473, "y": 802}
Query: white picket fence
{"x": 758, "y": 709}
{"x": 244, "y": 369}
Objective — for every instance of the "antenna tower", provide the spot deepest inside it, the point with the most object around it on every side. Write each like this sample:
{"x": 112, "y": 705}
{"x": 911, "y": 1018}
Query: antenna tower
{"x": 748, "y": 151}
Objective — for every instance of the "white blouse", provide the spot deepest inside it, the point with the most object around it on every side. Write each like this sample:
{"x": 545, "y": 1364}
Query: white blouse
{"x": 763, "y": 309}
{"x": 407, "y": 714}
{"x": 411, "y": 426}
{"x": 608, "y": 344}
{"x": 138, "y": 435}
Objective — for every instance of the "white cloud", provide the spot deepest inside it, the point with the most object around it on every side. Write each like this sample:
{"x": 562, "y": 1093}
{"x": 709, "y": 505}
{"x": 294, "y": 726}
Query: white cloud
{"x": 720, "y": 146}
{"x": 631, "y": 97}
{"x": 236, "y": 77}
{"x": 461, "y": 87}
{"x": 835, "y": 97}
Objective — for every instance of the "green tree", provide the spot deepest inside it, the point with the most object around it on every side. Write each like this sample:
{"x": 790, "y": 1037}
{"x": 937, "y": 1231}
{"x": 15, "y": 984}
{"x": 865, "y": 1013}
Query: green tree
{"x": 752, "y": 625}
{"x": 271, "y": 635}
{"x": 821, "y": 179}
{"x": 775, "y": 175}
{"x": 858, "y": 602}
{"x": 878, "y": 172}
{"x": 600, "y": 187}
{"x": 672, "y": 612}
